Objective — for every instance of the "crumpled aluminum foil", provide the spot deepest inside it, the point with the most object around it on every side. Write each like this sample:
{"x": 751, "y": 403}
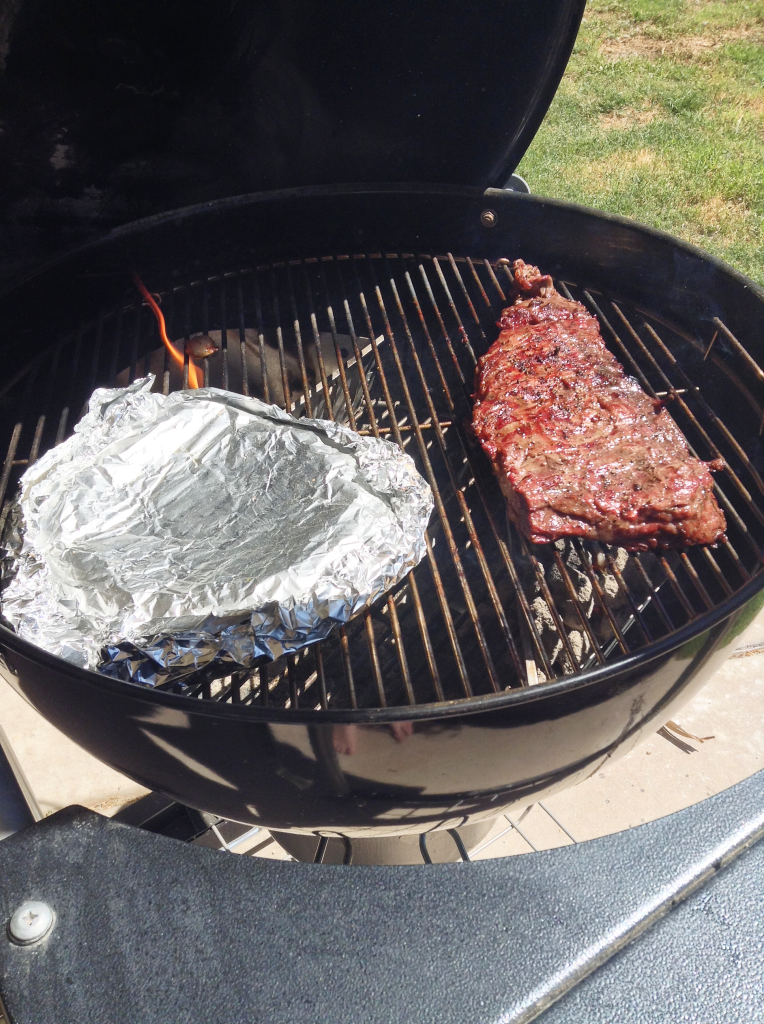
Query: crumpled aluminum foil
{"x": 203, "y": 530}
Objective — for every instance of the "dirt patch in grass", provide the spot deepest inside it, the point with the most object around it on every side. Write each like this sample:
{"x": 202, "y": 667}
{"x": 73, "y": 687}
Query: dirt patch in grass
{"x": 619, "y": 166}
{"x": 627, "y": 160}
{"x": 716, "y": 211}
{"x": 622, "y": 120}
{"x": 726, "y": 220}
{"x": 755, "y": 104}
{"x": 633, "y": 44}
{"x": 638, "y": 43}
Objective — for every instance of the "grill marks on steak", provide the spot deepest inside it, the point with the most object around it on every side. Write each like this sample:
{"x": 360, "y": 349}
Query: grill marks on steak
{"x": 579, "y": 449}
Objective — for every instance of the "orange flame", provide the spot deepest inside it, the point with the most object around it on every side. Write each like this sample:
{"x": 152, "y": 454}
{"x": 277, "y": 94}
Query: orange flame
{"x": 193, "y": 373}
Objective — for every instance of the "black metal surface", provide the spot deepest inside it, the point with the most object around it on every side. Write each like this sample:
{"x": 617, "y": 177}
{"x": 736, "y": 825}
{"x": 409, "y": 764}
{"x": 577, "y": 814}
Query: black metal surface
{"x": 116, "y": 111}
{"x": 146, "y": 928}
{"x": 233, "y": 761}
{"x": 276, "y": 754}
{"x": 703, "y": 963}
{"x": 157, "y": 813}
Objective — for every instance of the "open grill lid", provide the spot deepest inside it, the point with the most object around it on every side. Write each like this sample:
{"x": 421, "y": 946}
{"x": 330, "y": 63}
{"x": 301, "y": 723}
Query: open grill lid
{"x": 116, "y": 111}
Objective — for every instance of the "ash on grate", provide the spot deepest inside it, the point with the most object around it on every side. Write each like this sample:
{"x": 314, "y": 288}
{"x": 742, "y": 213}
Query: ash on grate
{"x": 604, "y": 566}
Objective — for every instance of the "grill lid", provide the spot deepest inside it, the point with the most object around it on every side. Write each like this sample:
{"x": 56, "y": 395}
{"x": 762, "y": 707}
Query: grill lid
{"x": 120, "y": 110}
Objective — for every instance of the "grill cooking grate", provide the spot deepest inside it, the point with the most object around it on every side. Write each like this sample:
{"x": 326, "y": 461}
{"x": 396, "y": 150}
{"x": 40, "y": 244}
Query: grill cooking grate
{"x": 388, "y": 343}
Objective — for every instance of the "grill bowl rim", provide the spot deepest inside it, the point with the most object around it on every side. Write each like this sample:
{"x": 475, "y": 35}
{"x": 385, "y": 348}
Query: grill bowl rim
{"x": 251, "y": 200}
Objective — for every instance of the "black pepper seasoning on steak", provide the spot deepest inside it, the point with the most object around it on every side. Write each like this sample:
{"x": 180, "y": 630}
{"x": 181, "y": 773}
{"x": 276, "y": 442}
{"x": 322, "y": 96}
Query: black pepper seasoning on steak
{"x": 579, "y": 449}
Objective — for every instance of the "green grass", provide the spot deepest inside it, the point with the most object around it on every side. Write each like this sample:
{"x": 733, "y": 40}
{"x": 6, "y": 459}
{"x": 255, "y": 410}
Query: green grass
{"x": 660, "y": 117}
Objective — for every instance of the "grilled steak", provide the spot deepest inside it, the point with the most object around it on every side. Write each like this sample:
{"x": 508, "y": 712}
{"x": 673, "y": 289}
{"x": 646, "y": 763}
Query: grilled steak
{"x": 579, "y": 449}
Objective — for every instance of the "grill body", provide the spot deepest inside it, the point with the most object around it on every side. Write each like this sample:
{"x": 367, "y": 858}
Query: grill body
{"x": 465, "y": 756}
{"x": 288, "y": 776}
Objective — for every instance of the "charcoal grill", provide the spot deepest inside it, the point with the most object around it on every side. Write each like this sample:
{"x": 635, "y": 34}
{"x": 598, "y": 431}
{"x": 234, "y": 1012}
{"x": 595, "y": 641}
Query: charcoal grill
{"x": 497, "y": 672}
{"x": 443, "y": 704}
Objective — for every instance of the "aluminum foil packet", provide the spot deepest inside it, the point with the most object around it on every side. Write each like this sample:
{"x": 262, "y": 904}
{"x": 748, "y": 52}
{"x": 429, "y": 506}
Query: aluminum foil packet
{"x": 202, "y": 531}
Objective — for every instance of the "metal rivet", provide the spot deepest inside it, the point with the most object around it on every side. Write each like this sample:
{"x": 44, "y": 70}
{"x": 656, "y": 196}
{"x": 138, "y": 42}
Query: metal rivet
{"x": 31, "y": 922}
{"x": 488, "y": 218}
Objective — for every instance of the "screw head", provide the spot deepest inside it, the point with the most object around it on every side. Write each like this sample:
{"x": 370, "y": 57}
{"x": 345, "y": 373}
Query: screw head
{"x": 488, "y": 218}
{"x": 31, "y": 922}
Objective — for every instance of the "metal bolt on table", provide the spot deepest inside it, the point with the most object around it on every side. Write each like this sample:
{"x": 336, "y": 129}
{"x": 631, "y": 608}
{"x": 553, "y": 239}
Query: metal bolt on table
{"x": 30, "y": 923}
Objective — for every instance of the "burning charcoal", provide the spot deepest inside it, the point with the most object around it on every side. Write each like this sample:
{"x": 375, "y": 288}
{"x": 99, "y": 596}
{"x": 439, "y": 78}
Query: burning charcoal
{"x": 201, "y": 346}
{"x": 584, "y": 602}
{"x": 260, "y": 351}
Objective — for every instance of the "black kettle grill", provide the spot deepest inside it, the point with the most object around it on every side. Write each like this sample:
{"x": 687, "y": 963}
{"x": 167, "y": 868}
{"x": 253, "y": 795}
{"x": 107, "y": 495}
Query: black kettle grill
{"x": 225, "y": 129}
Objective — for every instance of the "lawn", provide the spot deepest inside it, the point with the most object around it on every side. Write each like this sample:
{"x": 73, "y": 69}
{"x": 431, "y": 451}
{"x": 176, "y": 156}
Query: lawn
{"x": 660, "y": 117}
